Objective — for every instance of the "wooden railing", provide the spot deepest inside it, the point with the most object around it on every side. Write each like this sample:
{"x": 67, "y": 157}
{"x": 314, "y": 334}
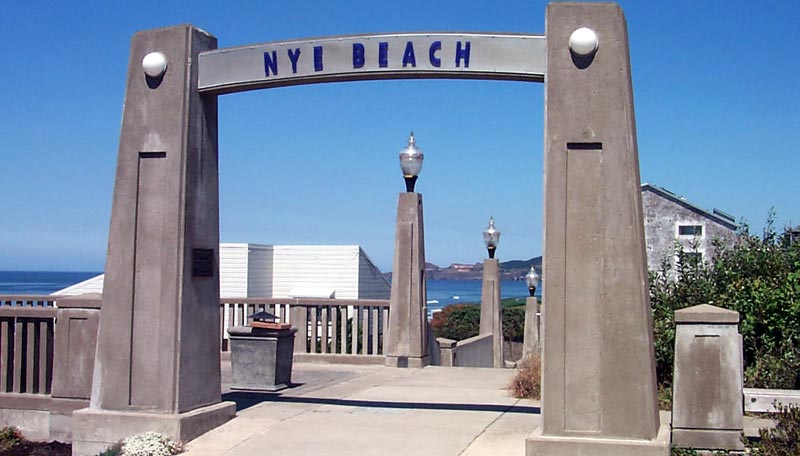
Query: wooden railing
{"x": 324, "y": 326}
{"x": 349, "y": 328}
{"x": 26, "y": 346}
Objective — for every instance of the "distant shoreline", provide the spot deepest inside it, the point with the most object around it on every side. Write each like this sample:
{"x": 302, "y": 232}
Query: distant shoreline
{"x": 513, "y": 270}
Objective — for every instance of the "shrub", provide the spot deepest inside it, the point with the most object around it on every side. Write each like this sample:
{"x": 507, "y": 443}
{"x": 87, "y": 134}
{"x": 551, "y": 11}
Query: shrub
{"x": 512, "y": 302}
{"x": 759, "y": 277}
{"x": 10, "y": 436}
{"x": 462, "y": 321}
{"x": 457, "y": 321}
{"x": 514, "y": 323}
{"x": 113, "y": 450}
{"x": 664, "y": 398}
{"x": 527, "y": 383}
{"x": 678, "y": 451}
{"x": 784, "y": 439}
{"x": 150, "y": 444}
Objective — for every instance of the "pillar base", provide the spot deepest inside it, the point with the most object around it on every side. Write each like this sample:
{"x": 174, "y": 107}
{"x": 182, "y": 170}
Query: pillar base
{"x": 537, "y": 444}
{"x": 407, "y": 361}
{"x": 93, "y": 431}
{"x": 710, "y": 439}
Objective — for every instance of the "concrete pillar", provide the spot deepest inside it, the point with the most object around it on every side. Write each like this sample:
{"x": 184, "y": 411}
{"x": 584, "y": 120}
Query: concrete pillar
{"x": 407, "y": 338}
{"x": 491, "y": 312}
{"x": 75, "y": 342}
{"x": 599, "y": 383}
{"x": 299, "y": 318}
{"x": 707, "y": 386}
{"x": 531, "y": 338}
{"x": 157, "y": 366}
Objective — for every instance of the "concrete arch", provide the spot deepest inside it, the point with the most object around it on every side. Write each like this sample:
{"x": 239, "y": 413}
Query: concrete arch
{"x": 368, "y": 57}
{"x": 162, "y": 282}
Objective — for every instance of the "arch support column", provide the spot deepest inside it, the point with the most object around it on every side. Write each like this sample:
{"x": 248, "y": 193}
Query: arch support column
{"x": 157, "y": 365}
{"x": 599, "y": 384}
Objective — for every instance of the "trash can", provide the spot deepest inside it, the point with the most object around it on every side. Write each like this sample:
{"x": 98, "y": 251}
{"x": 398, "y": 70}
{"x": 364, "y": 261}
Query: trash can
{"x": 261, "y": 358}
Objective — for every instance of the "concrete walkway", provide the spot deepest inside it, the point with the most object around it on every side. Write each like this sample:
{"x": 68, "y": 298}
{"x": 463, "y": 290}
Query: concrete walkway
{"x": 364, "y": 410}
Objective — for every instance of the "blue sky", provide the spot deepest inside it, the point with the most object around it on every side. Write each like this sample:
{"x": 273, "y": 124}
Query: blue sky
{"x": 715, "y": 89}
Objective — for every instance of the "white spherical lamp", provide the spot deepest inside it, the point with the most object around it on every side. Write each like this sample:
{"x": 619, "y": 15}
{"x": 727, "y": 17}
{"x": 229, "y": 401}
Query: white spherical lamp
{"x": 154, "y": 64}
{"x": 583, "y": 41}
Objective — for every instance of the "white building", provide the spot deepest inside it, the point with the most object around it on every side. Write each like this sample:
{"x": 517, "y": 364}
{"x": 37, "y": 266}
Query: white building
{"x": 284, "y": 271}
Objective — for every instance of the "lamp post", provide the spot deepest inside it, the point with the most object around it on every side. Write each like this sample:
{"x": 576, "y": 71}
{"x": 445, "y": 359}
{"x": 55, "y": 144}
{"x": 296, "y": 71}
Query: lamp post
{"x": 491, "y": 312}
{"x": 491, "y": 237}
{"x": 411, "y": 162}
{"x": 407, "y": 335}
{"x": 532, "y": 279}
{"x": 532, "y": 335}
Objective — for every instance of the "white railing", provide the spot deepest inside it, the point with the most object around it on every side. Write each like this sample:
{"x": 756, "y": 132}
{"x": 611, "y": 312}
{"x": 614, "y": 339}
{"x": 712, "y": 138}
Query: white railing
{"x": 324, "y": 326}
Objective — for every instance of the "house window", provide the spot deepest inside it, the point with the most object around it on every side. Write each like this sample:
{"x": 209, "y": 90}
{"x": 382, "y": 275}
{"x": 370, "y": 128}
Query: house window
{"x": 690, "y": 230}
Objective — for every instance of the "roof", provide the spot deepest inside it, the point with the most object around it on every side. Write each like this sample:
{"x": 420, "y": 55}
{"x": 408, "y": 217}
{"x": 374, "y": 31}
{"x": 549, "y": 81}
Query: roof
{"x": 306, "y": 290}
{"x": 721, "y": 217}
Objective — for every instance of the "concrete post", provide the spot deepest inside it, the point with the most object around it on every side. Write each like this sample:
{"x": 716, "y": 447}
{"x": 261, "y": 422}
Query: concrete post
{"x": 299, "y": 318}
{"x": 75, "y": 342}
{"x": 407, "y": 338}
{"x": 599, "y": 383}
{"x": 707, "y": 388}
{"x": 491, "y": 313}
{"x": 531, "y": 338}
{"x": 157, "y": 366}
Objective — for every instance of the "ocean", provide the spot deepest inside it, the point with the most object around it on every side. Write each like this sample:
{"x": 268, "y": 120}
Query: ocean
{"x": 440, "y": 292}
{"x": 39, "y": 282}
{"x": 445, "y": 292}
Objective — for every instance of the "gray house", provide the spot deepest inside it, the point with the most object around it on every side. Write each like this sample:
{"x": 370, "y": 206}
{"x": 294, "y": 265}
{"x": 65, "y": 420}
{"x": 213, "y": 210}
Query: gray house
{"x": 676, "y": 228}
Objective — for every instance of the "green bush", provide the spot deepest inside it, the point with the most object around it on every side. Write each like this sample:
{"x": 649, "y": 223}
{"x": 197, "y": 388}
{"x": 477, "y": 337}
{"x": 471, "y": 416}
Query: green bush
{"x": 678, "y": 451}
{"x": 759, "y": 277}
{"x": 784, "y": 438}
{"x": 113, "y": 450}
{"x": 514, "y": 323}
{"x": 512, "y": 302}
{"x": 462, "y": 321}
{"x": 457, "y": 321}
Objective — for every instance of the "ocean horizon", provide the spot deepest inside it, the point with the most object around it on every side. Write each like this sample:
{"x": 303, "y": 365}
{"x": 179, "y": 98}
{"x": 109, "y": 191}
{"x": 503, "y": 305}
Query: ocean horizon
{"x": 39, "y": 282}
{"x": 440, "y": 292}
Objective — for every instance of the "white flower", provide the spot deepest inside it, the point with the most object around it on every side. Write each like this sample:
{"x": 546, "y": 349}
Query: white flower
{"x": 150, "y": 444}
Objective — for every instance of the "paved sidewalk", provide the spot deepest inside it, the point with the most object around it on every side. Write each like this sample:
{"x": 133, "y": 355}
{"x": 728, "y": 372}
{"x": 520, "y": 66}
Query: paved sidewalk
{"x": 351, "y": 410}
{"x": 364, "y": 410}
